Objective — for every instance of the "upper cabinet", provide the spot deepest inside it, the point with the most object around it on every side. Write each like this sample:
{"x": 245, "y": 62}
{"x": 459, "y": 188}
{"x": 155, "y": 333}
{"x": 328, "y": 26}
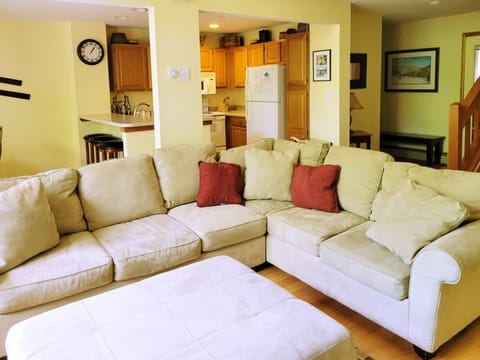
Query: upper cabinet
{"x": 255, "y": 55}
{"x": 220, "y": 67}
{"x": 129, "y": 68}
{"x": 206, "y": 59}
{"x": 274, "y": 52}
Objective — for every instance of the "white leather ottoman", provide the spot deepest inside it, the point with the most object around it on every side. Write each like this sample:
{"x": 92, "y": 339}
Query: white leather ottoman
{"x": 213, "y": 309}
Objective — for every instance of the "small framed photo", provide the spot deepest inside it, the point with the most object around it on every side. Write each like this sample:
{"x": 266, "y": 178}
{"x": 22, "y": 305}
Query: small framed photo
{"x": 321, "y": 65}
{"x": 412, "y": 70}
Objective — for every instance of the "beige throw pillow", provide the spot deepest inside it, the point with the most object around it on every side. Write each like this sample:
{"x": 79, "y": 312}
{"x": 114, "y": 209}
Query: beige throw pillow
{"x": 27, "y": 223}
{"x": 177, "y": 169}
{"x": 268, "y": 174}
{"x": 413, "y": 217}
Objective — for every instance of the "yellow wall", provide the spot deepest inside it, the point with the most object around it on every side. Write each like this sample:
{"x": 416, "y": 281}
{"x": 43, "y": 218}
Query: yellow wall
{"x": 367, "y": 39}
{"x": 38, "y": 133}
{"x": 44, "y": 133}
{"x": 427, "y": 113}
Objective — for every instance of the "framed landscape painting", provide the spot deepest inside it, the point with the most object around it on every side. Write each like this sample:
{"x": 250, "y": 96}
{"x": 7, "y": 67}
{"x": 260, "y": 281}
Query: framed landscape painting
{"x": 412, "y": 70}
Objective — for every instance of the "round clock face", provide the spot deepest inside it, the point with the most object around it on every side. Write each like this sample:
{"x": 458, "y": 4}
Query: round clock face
{"x": 90, "y": 51}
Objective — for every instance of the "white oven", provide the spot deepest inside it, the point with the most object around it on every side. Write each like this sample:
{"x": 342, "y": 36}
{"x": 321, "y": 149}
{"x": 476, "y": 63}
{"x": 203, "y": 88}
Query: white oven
{"x": 217, "y": 129}
{"x": 208, "y": 83}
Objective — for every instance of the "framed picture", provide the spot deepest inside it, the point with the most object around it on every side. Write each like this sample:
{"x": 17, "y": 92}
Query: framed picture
{"x": 412, "y": 70}
{"x": 321, "y": 65}
{"x": 358, "y": 71}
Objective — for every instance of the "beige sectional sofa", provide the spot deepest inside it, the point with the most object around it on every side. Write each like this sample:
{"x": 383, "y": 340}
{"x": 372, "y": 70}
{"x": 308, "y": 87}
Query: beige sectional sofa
{"x": 402, "y": 247}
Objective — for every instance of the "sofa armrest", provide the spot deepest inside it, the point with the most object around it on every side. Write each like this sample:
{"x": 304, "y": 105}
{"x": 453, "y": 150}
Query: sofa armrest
{"x": 444, "y": 295}
{"x": 451, "y": 256}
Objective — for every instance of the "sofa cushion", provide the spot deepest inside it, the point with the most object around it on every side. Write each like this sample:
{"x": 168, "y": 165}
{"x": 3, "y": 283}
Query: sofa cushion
{"x": 359, "y": 178}
{"x": 307, "y": 229}
{"x": 220, "y": 183}
{"x": 414, "y": 217}
{"x": 177, "y": 169}
{"x": 362, "y": 259}
{"x": 78, "y": 263}
{"x": 268, "y": 174}
{"x": 236, "y": 155}
{"x": 395, "y": 173}
{"x": 312, "y": 152}
{"x": 221, "y": 226}
{"x": 314, "y": 187}
{"x": 60, "y": 186}
{"x": 148, "y": 245}
{"x": 119, "y": 190}
{"x": 265, "y": 207}
{"x": 28, "y": 226}
{"x": 441, "y": 180}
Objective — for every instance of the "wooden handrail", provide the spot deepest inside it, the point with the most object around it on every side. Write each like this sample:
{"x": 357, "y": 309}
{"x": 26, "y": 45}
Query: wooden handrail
{"x": 464, "y": 131}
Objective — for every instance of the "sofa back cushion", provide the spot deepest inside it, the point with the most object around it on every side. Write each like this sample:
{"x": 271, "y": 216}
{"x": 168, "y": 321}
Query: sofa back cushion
{"x": 61, "y": 188}
{"x": 177, "y": 169}
{"x": 268, "y": 174}
{"x": 119, "y": 190}
{"x": 463, "y": 186}
{"x": 459, "y": 185}
{"x": 312, "y": 152}
{"x": 360, "y": 176}
{"x": 236, "y": 155}
{"x": 28, "y": 226}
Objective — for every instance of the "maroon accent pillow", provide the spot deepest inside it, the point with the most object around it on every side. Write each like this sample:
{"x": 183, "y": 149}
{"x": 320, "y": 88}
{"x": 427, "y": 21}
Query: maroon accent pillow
{"x": 220, "y": 183}
{"x": 315, "y": 187}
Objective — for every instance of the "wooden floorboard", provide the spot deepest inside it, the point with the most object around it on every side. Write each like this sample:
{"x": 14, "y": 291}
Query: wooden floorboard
{"x": 371, "y": 338}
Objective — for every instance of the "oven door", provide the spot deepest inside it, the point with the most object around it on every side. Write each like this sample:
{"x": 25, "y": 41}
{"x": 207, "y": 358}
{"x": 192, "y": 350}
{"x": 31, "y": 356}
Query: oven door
{"x": 218, "y": 133}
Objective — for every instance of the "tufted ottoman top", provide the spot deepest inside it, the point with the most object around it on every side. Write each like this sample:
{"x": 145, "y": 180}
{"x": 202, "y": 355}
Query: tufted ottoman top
{"x": 213, "y": 309}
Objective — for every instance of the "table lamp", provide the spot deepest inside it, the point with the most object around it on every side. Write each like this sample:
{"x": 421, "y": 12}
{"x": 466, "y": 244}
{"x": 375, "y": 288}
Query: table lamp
{"x": 354, "y": 105}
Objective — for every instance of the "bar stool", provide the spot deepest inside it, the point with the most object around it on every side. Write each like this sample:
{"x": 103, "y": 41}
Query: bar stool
{"x": 89, "y": 154}
{"x": 95, "y": 142}
{"x": 110, "y": 149}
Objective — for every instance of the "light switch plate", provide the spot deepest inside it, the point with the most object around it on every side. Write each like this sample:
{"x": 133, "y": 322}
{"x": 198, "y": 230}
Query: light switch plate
{"x": 183, "y": 73}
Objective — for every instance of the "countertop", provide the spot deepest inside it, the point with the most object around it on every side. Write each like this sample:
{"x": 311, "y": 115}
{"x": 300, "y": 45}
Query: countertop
{"x": 119, "y": 120}
{"x": 235, "y": 113}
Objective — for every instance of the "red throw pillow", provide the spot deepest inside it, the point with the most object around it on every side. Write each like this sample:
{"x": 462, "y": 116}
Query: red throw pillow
{"x": 315, "y": 187}
{"x": 220, "y": 183}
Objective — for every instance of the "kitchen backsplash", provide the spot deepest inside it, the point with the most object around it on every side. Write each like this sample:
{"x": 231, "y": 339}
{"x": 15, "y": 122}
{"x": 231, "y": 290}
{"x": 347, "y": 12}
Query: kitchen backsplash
{"x": 237, "y": 98}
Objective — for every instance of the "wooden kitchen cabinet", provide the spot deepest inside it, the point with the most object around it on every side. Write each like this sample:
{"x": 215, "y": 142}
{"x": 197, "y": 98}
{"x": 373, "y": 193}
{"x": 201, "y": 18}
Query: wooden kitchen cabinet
{"x": 206, "y": 59}
{"x": 297, "y": 86}
{"x": 129, "y": 68}
{"x": 239, "y": 64}
{"x": 236, "y": 131}
{"x": 274, "y": 52}
{"x": 255, "y": 55}
{"x": 220, "y": 67}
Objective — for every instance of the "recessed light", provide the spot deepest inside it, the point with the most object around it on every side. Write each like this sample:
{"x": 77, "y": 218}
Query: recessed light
{"x": 121, "y": 17}
{"x": 213, "y": 26}
{"x": 434, "y": 2}
{"x": 141, "y": 10}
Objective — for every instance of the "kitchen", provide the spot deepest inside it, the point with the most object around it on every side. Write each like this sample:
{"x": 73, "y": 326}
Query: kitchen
{"x": 223, "y": 107}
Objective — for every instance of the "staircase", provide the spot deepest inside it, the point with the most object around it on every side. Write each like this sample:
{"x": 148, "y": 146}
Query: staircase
{"x": 464, "y": 132}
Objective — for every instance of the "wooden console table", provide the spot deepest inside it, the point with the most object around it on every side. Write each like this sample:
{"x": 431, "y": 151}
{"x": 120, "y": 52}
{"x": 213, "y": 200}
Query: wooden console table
{"x": 358, "y": 137}
{"x": 433, "y": 143}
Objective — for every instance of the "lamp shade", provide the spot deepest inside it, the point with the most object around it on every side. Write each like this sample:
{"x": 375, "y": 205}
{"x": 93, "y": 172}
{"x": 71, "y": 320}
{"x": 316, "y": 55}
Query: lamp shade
{"x": 354, "y": 103}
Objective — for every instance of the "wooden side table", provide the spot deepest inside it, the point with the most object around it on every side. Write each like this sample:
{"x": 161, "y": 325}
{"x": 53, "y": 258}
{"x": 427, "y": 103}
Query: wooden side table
{"x": 358, "y": 137}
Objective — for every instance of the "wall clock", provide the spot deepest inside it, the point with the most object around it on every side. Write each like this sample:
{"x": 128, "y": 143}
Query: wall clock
{"x": 90, "y": 51}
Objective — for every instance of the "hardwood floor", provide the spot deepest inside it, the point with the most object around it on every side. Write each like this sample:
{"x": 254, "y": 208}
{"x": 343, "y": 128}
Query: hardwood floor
{"x": 371, "y": 338}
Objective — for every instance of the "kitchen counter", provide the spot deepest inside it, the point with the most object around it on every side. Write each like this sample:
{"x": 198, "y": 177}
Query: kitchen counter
{"x": 236, "y": 113}
{"x": 126, "y": 123}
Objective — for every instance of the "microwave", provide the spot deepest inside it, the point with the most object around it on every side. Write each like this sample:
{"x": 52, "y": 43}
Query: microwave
{"x": 208, "y": 83}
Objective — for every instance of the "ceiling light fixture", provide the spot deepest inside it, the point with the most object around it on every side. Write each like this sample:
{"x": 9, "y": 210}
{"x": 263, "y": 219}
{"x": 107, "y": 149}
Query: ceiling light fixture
{"x": 140, "y": 10}
{"x": 434, "y": 2}
{"x": 213, "y": 26}
{"x": 121, "y": 17}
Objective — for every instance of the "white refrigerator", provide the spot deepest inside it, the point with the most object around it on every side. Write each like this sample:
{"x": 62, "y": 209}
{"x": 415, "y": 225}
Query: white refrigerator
{"x": 265, "y": 102}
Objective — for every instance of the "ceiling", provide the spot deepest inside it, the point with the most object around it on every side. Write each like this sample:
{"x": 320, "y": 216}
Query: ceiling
{"x": 83, "y": 10}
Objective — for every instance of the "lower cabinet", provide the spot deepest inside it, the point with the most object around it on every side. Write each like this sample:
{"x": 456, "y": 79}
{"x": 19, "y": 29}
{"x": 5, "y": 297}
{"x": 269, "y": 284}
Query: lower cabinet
{"x": 236, "y": 131}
